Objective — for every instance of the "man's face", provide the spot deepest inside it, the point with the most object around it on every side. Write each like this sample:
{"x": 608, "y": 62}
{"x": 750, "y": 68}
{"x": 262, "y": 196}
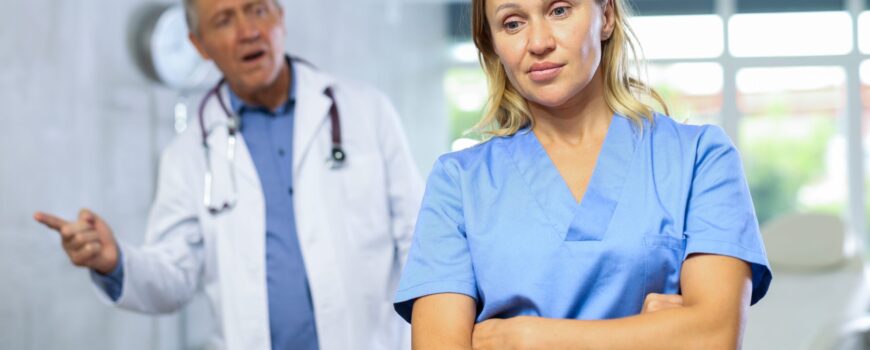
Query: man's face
{"x": 245, "y": 38}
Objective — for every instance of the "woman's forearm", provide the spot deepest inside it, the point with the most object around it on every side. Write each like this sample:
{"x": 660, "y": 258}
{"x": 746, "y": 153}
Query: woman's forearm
{"x": 677, "y": 328}
{"x": 716, "y": 292}
{"x": 443, "y": 321}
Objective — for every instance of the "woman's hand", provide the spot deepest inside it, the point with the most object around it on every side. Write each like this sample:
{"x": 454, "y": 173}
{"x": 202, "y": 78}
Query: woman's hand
{"x": 657, "y": 302}
{"x": 510, "y": 334}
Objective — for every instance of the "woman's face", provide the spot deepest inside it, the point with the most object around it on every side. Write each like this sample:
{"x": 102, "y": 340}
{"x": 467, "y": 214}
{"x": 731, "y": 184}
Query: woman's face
{"x": 550, "y": 49}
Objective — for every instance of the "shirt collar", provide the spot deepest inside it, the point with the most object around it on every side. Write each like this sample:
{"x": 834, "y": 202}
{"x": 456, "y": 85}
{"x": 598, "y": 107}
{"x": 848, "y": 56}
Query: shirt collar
{"x": 240, "y": 107}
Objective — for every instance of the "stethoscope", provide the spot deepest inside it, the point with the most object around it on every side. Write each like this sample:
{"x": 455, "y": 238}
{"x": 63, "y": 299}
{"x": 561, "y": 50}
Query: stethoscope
{"x": 234, "y": 124}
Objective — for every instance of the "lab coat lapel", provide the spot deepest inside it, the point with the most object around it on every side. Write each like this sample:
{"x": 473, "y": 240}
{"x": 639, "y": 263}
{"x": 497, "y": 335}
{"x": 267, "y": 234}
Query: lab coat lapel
{"x": 216, "y": 122}
{"x": 320, "y": 226}
{"x": 312, "y": 109}
{"x": 239, "y": 237}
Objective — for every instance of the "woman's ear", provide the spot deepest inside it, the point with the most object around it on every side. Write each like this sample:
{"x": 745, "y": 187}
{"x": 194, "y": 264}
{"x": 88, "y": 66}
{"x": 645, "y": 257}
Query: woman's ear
{"x": 609, "y": 20}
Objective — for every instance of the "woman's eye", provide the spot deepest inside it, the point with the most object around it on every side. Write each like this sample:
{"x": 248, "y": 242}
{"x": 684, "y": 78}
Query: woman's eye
{"x": 560, "y": 11}
{"x": 260, "y": 10}
{"x": 512, "y": 24}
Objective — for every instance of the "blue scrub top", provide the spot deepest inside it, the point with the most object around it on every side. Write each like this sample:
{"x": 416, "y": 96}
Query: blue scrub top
{"x": 499, "y": 224}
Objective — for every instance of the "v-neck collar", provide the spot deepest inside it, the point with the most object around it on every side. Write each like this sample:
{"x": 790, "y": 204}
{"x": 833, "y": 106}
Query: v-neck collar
{"x": 589, "y": 219}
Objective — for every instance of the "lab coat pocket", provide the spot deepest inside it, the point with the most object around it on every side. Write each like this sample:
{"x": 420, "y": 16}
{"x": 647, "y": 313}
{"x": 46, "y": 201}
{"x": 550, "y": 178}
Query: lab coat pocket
{"x": 365, "y": 192}
{"x": 663, "y": 258}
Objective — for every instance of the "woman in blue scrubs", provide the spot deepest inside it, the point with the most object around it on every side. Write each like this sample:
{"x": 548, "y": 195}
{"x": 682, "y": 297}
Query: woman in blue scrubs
{"x": 588, "y": 220}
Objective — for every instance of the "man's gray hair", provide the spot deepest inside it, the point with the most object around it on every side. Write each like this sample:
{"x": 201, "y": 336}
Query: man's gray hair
{"x": 192, "y": 17}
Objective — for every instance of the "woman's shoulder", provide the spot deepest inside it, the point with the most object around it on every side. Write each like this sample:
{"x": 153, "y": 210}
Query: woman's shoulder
{"x": 476, "y": 158}
{"x": 468, "y": 157}
{"x": 690, "y": 144}
{"x": 686, "y": 135}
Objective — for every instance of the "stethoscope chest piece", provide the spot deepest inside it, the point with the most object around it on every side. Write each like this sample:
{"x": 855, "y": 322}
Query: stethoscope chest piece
{"x": 338, "y": 157}
{"x": 234, "y": 123}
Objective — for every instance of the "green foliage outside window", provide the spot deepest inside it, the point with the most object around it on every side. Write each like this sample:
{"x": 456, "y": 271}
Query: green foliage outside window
{"x": 778, "y": 165}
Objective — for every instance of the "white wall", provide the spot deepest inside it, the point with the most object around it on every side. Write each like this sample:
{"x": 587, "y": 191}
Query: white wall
{"x": 83, "y": 127}
{"x": 398, "y": 45}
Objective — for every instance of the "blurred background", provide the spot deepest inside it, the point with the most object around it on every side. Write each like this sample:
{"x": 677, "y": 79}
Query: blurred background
{"x": 789, "y": 81}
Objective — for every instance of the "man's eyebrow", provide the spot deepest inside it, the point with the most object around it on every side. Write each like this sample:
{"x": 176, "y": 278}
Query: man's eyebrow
{"x": 219, "y": 13}
{"x": 253, "y": 3}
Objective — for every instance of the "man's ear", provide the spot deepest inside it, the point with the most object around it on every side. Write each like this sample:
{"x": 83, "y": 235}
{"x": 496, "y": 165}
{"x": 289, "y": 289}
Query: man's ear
{"x": 281, "y": 16}
{"x": 609, "y": 20}
{"x": 197, "y": 43}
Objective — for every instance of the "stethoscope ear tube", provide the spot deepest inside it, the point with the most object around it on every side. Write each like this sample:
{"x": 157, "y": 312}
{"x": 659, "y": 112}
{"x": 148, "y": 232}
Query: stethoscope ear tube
{"x": 201, "y": 112}
{"x": 337, "y": 154}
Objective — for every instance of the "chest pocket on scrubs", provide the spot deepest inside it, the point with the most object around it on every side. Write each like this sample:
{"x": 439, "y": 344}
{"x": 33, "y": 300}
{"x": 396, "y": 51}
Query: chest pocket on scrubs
{"x": 663, "y": 258}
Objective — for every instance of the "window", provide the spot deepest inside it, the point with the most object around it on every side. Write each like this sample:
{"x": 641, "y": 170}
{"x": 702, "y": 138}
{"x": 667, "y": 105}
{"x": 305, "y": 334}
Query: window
{"x": 794, "y": 155}
{"x": 750, "y": 6}
{"x": 466, "y": 93}
{"x": 865, "y": 139}
{"x": 864, "y": 32}
{"x": 664, "y": 37}
{"x": 459, "y": 21}
{"x": 794, "y": 34}
{"x": 464, "y": 52}
{"x": 672, "y": 7}
{"x": 693, "y": 91}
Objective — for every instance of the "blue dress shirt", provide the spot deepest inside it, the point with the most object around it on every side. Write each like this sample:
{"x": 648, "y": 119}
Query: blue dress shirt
{"x": 269, "y": 138}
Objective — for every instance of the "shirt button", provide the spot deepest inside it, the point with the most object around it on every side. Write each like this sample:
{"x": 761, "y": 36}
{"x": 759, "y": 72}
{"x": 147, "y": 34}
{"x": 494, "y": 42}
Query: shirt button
{"x": 281, "y": 152}
{"x": 290, "y": 191}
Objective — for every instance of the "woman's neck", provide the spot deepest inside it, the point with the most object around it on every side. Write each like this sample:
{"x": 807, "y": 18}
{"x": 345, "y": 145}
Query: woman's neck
{"x": 583, "y": 117}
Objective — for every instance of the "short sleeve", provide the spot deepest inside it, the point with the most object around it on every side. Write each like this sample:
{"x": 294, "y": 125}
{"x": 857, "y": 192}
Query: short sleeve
{"x": 720, "y": 216}
{"x": 439, "y": 260}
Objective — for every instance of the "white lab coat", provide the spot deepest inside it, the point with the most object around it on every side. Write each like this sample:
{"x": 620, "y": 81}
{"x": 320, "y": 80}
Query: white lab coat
{"x": 354, "y": 224}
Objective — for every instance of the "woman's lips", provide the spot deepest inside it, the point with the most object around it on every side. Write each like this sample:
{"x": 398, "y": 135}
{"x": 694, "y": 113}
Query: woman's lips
{"x": 544, "y": 72}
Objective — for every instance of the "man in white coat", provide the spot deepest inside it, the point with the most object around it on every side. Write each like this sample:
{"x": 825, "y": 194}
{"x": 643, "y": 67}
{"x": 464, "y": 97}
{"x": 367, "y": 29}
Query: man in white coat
{"x": 297, "y": 244}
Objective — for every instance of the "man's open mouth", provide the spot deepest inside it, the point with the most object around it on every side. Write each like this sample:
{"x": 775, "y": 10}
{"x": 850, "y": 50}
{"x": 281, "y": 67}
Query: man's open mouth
{"x": 253, "y": 56}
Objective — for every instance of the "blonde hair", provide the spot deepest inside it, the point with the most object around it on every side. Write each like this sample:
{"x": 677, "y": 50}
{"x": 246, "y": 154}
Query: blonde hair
{"x": 507, "y": 111}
